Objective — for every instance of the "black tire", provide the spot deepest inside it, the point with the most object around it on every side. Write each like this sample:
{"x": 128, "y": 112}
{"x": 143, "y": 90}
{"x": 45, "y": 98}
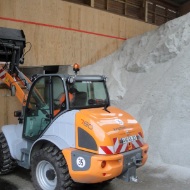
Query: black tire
{"x": 49, "y": 170}
{"x": 7, "y": 163}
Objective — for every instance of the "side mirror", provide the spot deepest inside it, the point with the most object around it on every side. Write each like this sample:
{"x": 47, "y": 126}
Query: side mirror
{"x": 17, "y": 113}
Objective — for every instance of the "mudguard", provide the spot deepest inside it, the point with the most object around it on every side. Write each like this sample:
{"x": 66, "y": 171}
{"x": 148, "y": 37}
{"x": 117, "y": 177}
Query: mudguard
{"x": 61, "y": 132}
{"x": 13, "y": 135}
{"x": 64, "y": 128}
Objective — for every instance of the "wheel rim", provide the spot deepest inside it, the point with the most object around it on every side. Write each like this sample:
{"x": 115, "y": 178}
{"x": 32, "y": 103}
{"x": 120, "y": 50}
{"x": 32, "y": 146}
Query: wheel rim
{"x": 42, "y": 171}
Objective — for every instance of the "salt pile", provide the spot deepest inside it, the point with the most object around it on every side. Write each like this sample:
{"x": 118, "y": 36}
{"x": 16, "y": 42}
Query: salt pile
{"x": 149, "y": 77}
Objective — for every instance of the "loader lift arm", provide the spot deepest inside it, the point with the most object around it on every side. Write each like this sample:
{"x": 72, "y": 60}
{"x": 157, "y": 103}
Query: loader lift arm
{"x": 12, "y": 44}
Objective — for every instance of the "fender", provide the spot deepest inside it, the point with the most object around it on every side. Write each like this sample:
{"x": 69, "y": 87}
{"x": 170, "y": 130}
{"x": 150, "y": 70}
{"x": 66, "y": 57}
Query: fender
{"x": 61, "y": 133}
{"x": 57, "y": 141}
{"x": 13, "y": 135}
{"x": 64, "y": 127}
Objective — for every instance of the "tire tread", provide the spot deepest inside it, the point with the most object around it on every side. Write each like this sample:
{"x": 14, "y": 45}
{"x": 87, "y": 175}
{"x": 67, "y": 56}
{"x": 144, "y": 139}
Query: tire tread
{"x": 7, "y": 163}
{"x": 55, "y": 157}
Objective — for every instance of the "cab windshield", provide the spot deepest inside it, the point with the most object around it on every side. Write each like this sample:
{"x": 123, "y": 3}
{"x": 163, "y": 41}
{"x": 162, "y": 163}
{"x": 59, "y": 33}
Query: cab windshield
{"x": 85, "y": 94}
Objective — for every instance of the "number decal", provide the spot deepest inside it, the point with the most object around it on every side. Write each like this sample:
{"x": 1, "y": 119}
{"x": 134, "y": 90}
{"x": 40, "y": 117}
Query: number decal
{"x": 81, "y": 162}
{"x": 128, "y": 139}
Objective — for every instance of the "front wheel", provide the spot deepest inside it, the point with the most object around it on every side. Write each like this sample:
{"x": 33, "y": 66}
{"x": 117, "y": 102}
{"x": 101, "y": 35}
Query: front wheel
{"x": 7, "y": 163}
{"x": 49, "y": 170}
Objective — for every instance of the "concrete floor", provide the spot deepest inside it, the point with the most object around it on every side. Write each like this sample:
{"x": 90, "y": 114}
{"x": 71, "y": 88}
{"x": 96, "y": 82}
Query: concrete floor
{"x": 150, "y": 179}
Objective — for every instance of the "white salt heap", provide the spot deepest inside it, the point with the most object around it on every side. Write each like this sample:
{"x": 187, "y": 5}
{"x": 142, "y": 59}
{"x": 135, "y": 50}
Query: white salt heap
{"x": 149, "y": 77}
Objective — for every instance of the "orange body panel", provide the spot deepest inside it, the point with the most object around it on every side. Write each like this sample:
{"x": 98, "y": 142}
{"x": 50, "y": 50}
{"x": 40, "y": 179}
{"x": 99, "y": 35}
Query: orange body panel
{"x": 96, "y": 174}
{"x": 104, "y": 127}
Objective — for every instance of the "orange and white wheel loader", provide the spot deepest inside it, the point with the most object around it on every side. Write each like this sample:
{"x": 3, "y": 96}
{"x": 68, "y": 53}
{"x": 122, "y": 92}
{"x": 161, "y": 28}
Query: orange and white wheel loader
{"x": 67, "y": 132}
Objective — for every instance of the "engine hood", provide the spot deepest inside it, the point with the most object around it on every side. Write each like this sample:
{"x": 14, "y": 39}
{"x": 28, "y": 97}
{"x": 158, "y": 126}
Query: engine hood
{"x": 107, "y": 132}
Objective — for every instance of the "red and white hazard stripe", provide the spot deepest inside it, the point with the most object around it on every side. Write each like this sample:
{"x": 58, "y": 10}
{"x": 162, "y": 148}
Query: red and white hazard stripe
{"x": 120, "y": 147}
{"x": 106, "y": 150}
{"x": 2, "y": 74}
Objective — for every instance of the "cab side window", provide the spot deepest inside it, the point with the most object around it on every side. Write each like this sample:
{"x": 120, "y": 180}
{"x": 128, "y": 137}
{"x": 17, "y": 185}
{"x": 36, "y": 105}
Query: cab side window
{"x": 37, "y": 115}
{"x": 59, "y": 98}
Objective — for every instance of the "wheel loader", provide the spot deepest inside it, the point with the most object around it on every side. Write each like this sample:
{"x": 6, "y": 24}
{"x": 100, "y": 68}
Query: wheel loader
{"x": 67, "y": 132}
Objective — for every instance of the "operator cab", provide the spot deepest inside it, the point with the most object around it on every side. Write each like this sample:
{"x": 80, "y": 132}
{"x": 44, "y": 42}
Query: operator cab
{"x": 51, "y": 95}
{"x": 88, "y": 92}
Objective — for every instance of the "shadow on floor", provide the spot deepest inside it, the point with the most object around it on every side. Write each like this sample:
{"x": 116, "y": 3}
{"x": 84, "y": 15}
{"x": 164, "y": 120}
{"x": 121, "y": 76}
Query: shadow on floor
{"x": 5, "y": 185}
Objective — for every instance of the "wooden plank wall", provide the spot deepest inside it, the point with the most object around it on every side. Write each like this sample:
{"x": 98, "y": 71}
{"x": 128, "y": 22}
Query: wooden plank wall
{"x": 159, "y": 12}
{"x": 74, "y": 33}
{"x": 59, "y": 46}
{"x": 8, "y": 105}
{"x": 185, "y": 8}
{"x": 129, "y": 8}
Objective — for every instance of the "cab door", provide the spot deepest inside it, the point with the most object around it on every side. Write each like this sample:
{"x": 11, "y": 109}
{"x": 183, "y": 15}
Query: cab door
{"x": 38, "y": 108}
{"x": 47, "y": 98}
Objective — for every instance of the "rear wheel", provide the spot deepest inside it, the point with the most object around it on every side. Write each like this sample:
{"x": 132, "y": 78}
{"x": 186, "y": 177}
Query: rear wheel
{"x": 50, "y": 171}
{"x": 7, "y": 163}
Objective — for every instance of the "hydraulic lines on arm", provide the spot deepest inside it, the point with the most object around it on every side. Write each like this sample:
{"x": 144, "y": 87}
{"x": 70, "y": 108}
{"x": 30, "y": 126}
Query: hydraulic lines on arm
{"x": 12, "y": 44}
